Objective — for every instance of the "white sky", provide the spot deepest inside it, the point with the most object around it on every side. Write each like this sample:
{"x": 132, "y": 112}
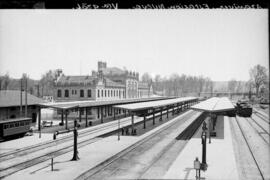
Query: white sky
{"x": 221, "y": 44}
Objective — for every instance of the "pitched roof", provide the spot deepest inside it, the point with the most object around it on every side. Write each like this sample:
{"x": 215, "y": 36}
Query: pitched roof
{"x": 12, "y": 98}
{"x": 76, "y": 80}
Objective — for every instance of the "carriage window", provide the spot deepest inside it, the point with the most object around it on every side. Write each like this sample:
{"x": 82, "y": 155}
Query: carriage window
{"x": 16, "y": 124}
{"x": 6, "y": 126}
{"x": 11, "y": 125}
{"x": 21, "y": 124}
{"x": 27, "y": 123}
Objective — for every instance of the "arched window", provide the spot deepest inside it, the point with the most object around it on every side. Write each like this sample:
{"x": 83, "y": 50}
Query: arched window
{"x": 89, "y": 93}
{"x": 81, "y": 93}
{"x": 66, "y": 93}
{"x": 59, "y": 93}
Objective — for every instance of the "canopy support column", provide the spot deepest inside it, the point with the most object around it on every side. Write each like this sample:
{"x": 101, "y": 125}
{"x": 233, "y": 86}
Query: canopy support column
{"x": 86, "y": 113}
{"x": 132, "y": 123}
{"x": 144, "y": 121}
{"x": 80, "y": 115}
{"x": 62, "y": 116}
{"x": 101, "y": 110}
{"x": 39, "y": 119}
{"x": 66, "y": 119}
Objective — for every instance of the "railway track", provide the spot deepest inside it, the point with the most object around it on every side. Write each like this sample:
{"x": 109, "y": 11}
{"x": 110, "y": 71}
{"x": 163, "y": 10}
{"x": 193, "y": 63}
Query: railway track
{"x": 47, "y": 144}
{"x": 159, "y": 139}
{"x": 84, "y": 132}
{"x": 256, "y": 152}
{"x": 262, "y": 117}
{"x": 262, "y": 132}
{"x": 14, "y": 161}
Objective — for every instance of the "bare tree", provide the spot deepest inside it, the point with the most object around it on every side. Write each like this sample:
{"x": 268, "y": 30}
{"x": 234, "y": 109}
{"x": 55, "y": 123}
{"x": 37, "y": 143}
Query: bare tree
{"x": 232, "y": 85}
{"x": 5, "y": 81}
{"x": 146, "y": 78}
{"x": 258, "y": 77}
{"x": 47, "y": 82}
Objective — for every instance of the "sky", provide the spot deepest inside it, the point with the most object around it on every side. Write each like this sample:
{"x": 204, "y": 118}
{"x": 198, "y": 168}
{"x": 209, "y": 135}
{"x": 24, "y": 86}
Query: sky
{"x": 217, "y": 43}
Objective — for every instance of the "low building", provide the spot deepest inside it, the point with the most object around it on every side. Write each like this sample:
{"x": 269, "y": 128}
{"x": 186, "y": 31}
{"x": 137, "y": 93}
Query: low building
{"x": 10, "y": 105}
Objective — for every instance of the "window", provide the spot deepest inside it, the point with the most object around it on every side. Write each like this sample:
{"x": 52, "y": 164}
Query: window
{"x": 6, "y": 126}
{"x": 66, "y": 93}
{"x": 105, "y": 93}
{"x": 108, "y": 93}
{"x": 102, "y": 93}
{"x": 11, "y": 125}
{"x": 59, "y": 93}
{"x": 114, "y": 93}
{"x": 21, "y": 123}
{"x": 111, "y": 93}
{"x": 16, "y": 124}
{"x": 81, "y": 93}
{"x": 75, "y": 91}
{"x": 89, "y": 93}
{"x": 98, "y": 93}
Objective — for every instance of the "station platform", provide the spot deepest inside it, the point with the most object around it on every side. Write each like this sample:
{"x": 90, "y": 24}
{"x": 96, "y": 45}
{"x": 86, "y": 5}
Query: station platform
{"x": 219, "y": 157}
{"x": 90, "y": 156}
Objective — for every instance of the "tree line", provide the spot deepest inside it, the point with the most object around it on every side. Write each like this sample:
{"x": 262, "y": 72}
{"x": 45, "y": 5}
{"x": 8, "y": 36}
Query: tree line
{"x": 174, "y": 85}
{"x": 179, "y": 85}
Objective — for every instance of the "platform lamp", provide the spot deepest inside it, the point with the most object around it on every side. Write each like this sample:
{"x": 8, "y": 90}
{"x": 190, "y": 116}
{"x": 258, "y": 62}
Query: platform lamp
{"x": 204, "y": 138}
{"x": 75, "y": 147}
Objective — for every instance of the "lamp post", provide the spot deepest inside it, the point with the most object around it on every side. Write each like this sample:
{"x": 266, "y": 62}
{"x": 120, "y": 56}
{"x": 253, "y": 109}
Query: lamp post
{"x": 75, "y": 150}
{"x": 204, "y": 138}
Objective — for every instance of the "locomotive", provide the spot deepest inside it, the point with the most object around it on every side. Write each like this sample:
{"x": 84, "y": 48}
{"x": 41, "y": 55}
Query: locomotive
{"x": 243, "y": 108}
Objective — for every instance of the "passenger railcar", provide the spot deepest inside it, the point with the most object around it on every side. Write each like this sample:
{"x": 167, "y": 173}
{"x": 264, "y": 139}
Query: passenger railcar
{"x": 14, "y": 127}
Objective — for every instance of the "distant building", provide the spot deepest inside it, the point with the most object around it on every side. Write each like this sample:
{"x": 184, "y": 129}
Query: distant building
{"x": 104, "y": 84}
{"x": 107, "y": 83}
{"x": 10, "y": 101}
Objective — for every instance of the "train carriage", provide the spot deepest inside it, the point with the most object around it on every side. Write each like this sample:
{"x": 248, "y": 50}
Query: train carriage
{"x": 14, "y": 127}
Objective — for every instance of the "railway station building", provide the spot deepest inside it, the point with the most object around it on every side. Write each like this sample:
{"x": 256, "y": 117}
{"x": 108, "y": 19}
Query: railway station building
{"x": 105, "y": 84}
{"x": 11, "y": 107}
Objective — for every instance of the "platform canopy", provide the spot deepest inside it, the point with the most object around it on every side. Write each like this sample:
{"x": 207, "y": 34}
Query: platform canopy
{"x": 92, "y": 103}
{"x": 154, "y": 104}
{"x": 214, "y": 104}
